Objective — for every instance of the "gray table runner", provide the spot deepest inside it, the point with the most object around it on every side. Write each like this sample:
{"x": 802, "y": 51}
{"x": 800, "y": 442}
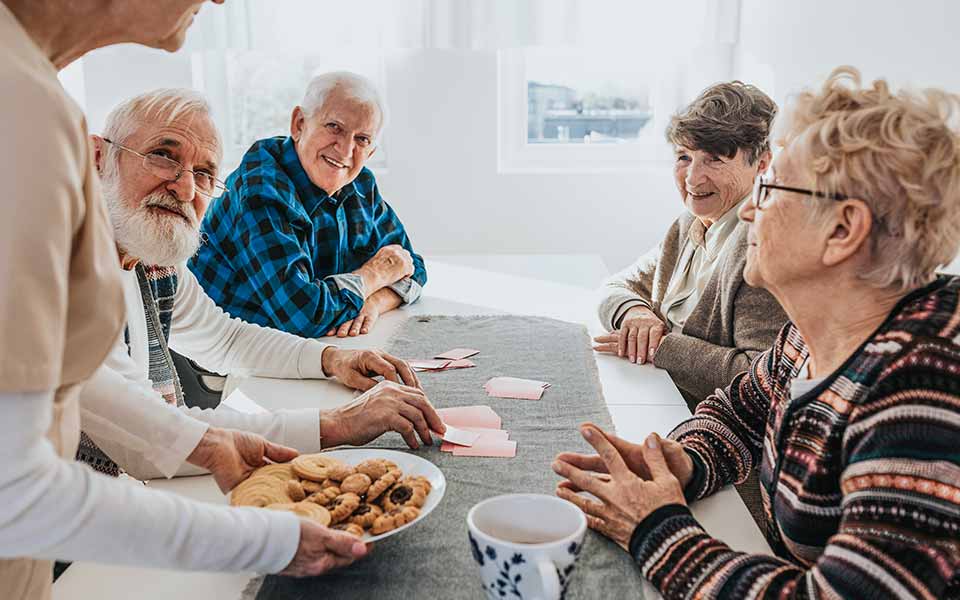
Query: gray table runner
{"x": 433, "y": 558}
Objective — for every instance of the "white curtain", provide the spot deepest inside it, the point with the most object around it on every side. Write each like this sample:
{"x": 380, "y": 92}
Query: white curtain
{"x": 314, "y": 25}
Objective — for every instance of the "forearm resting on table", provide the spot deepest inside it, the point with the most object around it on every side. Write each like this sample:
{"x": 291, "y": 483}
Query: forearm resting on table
{"x": 59, "y": 509}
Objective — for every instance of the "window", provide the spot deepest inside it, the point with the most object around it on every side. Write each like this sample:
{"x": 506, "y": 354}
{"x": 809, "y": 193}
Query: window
{"x": 584, "y": 111}
{"x": 254, "y": 92}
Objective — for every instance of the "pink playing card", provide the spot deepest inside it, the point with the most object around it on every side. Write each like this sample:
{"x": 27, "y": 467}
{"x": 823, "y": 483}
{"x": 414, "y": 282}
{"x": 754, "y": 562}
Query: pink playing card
{"x": 458, "y": 353}
{"x": 495, "y": 449}
{"x": 513, "y": 387}
{"x": 427, "y": 365}
{"x": 460, "y": 437}
{"x": 470, "y": 416}
{"x": 486, "y": 435}
{"x": 460, "y": 364}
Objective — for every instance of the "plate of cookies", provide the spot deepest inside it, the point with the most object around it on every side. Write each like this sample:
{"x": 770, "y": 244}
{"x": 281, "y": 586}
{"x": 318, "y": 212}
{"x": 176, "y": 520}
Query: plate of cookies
{"x": 366, "y": 492}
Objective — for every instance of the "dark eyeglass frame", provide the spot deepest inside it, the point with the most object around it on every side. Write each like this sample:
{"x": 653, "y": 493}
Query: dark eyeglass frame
{"x": 760, "y": 195}
{"x": 217, "y": 187}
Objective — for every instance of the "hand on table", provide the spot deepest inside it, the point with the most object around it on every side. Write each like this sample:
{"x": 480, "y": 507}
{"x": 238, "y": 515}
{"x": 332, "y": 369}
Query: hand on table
{"x": 232, "y": 455}
{"x": 354, "y": 368}
{"x": 386, "y": 407}
{"x": 631, "y": 481}
{"x": 322, "y": 549}
{"x": 638, "y": 337}
{"x": 362, "y": 323}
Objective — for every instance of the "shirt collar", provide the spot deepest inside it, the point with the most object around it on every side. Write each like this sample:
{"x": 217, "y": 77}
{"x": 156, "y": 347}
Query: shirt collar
{"x": 712, "y": 239}
{"x": 298, "y": 175}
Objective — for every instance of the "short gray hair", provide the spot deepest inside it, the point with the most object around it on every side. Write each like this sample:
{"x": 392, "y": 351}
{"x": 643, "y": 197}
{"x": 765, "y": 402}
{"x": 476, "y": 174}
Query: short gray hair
{"x": 350, "y": 85}
{"x": 160, "y": 106}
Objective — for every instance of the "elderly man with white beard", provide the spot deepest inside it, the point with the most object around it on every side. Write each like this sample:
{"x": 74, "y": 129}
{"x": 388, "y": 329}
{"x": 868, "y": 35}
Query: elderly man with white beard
{"x": 158, "y": 160}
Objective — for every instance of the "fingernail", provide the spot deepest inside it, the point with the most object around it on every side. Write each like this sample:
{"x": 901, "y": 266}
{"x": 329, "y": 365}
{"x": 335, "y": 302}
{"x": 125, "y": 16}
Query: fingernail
{"x": 556, "y": 466}
{"x": 652, "y": 441}
{"x": 587, "y": 432}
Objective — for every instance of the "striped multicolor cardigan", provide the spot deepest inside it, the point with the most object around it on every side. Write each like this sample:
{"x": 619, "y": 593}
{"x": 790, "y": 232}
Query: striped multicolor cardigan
{"x": 860, "y": 476}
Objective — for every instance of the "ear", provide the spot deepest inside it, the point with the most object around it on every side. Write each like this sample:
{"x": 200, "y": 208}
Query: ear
{"x": 763, "y": 162}
{"x": 297, "y": 120}
{"x": 853, "y": 223}
{"x": 99, "y": 153}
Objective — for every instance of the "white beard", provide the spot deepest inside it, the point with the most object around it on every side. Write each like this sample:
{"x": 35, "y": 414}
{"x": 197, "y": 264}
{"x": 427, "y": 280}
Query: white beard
{"x": 155, "y": 238}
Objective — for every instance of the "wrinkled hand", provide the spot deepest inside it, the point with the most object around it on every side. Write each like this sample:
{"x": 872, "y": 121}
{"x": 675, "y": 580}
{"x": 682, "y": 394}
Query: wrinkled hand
{"x": 362, "y": 323}
{"x": 625, "y": 497}
{"x": 386, "y": 407}
{"x": 638, "y": 337}
{"x": 392, "y": 263}
{"x": 232, "y": 455}
{"x": 678, "y": 461}
{"x": 322, "y": 549}
{"x": 354, "y": 368}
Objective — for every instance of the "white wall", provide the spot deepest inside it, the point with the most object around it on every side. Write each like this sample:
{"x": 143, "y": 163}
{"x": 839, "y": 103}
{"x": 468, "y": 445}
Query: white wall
{"x": 442, "y": 175}
{"x": 787, "y": 45}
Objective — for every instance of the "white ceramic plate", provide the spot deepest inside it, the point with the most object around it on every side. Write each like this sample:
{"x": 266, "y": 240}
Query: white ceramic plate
{"x": 411, "y": 464}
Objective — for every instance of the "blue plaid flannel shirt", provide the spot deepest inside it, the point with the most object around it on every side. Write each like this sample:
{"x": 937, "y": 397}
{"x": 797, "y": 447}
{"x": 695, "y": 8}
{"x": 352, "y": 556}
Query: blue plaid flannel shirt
{"x": 279, "y": 251}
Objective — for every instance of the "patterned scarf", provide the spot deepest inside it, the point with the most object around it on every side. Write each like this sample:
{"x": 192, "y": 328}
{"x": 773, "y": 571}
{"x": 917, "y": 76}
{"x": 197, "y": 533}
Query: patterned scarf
{"x": 158, "y": 286}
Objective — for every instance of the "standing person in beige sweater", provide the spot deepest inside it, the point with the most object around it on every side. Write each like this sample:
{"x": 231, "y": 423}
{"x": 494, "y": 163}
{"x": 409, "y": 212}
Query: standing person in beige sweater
{"x": 684, "y": 305}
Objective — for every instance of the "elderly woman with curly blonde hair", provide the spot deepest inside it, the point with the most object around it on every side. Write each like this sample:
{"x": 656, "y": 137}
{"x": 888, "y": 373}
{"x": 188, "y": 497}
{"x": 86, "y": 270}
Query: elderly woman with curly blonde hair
{"x": 854, "y": 414}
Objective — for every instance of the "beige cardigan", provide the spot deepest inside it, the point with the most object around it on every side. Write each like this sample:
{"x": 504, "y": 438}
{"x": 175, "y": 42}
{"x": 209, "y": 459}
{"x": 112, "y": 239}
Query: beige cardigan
{"x": 729, "y": 326}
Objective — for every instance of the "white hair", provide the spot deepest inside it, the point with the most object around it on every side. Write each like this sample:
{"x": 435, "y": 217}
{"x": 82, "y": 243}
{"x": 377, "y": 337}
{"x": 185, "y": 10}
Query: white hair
{"x": 159, "y": 107}
{"x": 349, "y": 84}
{"x": 153, "y": 239}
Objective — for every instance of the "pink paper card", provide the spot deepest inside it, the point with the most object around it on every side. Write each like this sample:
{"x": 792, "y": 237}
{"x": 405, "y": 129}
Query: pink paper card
{"x": 460, "y": 364}
{"x": 494, "y": 449}
{"x": 459, "y": 437}
{"x": 470, "y": 416}
{"x": 513, "y": 387}
{"x": 428, "y": 365}
{"x": 458, "y": 353}
{"x": 486, "y": 435}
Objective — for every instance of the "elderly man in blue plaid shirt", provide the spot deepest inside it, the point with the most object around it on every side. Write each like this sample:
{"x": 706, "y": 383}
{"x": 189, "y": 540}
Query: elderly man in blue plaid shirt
{"x": 302, "y": 240}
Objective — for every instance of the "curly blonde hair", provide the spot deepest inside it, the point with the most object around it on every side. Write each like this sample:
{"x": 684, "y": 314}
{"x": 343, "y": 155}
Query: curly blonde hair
{"x": 899, "y": 153}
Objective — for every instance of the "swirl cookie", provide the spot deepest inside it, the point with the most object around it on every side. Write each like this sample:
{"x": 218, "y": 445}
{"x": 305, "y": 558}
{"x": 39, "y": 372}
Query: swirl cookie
{"x": 309, "y": 510}
{"x": 392, "y": 519}
{"x": 365, "y": 515}
{"x": 375, "y": 468}
{"x": 351, "y": 528}
{"x": 404, "y": 494}
{"x": 259, "y": 491}
{"x": 383, "y": 484}
{"x": 317, "y": 467}
{"x": 343, "y": 506}
{"x": 358, "y": 483}
{"x": 280, "y": 471}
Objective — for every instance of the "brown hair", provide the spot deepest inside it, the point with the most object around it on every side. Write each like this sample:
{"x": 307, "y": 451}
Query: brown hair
{"x": 724, "y": 118}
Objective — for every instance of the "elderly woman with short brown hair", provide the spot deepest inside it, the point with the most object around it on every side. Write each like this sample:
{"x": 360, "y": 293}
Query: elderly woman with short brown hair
{"x": 854, "y": 414}
{"x": 684, "y": 306}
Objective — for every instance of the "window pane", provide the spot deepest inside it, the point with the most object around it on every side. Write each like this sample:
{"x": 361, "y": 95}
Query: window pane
{"x": 576, "y": 99}
{"x": 263, "y": 88}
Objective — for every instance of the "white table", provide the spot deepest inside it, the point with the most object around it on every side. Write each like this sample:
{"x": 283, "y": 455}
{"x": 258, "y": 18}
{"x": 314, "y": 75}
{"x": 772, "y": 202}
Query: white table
{"x": 641, "y": 399}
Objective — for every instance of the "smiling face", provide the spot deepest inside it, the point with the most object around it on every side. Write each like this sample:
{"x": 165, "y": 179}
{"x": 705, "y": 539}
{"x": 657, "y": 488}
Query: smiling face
{"x": 336, "y": 141}
{"x": 155, "y": 220}
{"x": 709, "y": 184}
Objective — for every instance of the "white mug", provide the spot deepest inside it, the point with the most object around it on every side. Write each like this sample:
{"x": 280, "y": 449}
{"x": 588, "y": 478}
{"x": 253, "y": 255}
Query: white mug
{"x": 526, "y": 545}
